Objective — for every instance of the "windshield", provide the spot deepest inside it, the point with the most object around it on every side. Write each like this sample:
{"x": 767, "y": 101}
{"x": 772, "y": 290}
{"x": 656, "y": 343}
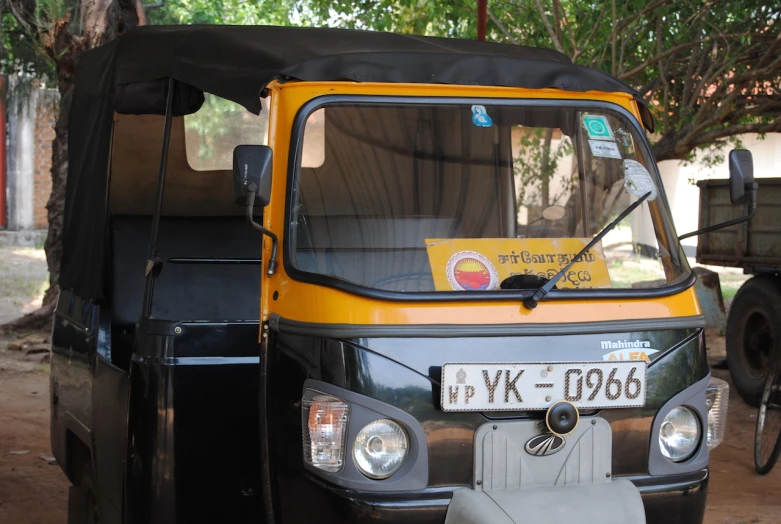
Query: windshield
{"x": 420, "y": 198}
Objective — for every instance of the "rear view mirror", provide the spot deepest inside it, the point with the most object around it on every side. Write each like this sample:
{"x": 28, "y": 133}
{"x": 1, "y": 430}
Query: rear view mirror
{"x": 252, "y": 174}
{"x": 741, "y": 175}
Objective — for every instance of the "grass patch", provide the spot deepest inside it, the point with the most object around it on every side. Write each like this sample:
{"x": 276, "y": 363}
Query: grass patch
{"x": 23, "y": 272}
{"x": 20, "y": 286}
{"x": 730, "y": 283}
{"x": 624, "y": 273}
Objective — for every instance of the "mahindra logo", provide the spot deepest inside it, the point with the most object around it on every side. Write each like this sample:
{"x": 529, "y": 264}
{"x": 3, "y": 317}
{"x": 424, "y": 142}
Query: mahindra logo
{"x": 544, "y": 445}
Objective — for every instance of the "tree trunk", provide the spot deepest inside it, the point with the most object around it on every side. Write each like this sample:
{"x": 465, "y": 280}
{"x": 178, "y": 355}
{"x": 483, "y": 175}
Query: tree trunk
{"x": 100, "y": 21}
{"x": 56, "y": 204}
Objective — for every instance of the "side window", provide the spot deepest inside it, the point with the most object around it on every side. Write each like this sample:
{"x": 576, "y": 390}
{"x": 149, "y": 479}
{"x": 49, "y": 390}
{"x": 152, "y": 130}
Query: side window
{"x": 218, "y": 127}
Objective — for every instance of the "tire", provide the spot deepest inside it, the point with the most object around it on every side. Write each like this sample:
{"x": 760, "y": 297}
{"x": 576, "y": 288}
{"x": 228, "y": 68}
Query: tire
{"x": 753, "y": 334}
{"x": 767, "y": 439}
{"x": 82, "y": 499}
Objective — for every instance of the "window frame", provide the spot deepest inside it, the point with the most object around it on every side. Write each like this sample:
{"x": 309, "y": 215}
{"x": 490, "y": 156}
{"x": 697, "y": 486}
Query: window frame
{"x": 294, "y": 170}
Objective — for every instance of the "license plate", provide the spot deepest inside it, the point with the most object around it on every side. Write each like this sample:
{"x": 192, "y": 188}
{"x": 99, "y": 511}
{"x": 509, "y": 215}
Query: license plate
{"x": 527, "y": 386}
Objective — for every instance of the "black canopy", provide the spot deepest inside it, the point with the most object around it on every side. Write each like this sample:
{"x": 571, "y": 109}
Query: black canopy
{"x": 237, "y": 63}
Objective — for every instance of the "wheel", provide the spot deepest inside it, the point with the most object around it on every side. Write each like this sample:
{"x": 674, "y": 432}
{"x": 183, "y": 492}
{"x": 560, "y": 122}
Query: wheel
{"x": 767, "y": 441}
{"x": 753, "y": 330}
{"x": 82, "y": 501}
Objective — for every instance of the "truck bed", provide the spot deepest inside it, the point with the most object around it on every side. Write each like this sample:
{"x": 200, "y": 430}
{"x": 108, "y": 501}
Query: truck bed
{"x": 755, "y": 245}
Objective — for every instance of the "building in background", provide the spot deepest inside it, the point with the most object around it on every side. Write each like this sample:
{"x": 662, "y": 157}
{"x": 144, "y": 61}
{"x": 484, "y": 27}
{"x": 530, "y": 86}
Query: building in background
{"x": 30, "y": 117}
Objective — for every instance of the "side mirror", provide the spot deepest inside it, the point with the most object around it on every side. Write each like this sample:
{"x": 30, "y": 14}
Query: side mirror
{"x": 252, "y": 186}
{"x": 252, "y": 174}
{"x": 741, "y": 175}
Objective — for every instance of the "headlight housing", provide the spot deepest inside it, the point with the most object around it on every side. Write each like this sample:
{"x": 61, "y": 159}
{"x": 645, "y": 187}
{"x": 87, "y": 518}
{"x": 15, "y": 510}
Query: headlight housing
{"x": 717, "y": 399}
{"x": 679, "y": 434}
{"x": 324, "y": 421}
{"x": 380, "y": 448}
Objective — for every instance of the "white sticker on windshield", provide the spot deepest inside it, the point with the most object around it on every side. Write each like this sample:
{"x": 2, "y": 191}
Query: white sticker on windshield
{"x": 637, "y": 180}
{"x": 604, "y": 149}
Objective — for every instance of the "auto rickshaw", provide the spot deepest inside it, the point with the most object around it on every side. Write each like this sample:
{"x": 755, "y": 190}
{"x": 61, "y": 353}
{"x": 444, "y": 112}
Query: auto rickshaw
{"x": 316, "y": 275}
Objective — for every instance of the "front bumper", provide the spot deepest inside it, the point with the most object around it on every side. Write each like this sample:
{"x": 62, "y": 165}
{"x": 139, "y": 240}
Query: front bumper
{"x": 676, "y": 499}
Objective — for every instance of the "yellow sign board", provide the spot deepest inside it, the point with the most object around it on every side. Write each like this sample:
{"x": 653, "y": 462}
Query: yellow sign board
{"x": 476, "y": 264}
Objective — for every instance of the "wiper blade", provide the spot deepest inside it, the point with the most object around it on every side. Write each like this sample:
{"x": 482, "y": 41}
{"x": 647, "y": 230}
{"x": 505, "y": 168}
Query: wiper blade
{"x": 538, "y": 295}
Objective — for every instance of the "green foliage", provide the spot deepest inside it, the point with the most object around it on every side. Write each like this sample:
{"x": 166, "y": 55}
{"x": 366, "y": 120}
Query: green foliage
{"x": 536, "y": 164}
{"x": 232, "y": 12}
{"x": 420, "y": 17}
{"x": 218, "y": 127}
{"x": 708, "y": 69}
{"x": 20, "y": 53}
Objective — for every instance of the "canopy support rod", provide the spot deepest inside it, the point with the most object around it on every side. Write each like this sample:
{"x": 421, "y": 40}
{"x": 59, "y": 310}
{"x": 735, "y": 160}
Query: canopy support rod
{"x": 482, "y": 8}
{"x": 153, "y": 262}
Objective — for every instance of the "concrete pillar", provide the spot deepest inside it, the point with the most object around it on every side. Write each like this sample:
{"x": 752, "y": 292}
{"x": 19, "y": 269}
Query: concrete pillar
{"x": 20, "y": 158}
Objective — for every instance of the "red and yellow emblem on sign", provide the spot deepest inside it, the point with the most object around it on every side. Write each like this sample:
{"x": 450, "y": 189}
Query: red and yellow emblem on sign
{"x": 471, "y": 271}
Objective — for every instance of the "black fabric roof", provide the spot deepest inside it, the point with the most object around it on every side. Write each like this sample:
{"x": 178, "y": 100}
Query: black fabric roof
{"x": 237, "y": 63}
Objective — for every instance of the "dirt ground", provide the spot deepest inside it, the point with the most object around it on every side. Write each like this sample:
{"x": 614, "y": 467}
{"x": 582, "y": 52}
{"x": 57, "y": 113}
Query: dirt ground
{"x": 32, "y": 491}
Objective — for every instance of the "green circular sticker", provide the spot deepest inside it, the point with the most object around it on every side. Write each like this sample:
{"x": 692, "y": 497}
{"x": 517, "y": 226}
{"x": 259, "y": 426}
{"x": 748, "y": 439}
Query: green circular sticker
{"x": 597, "y": 128}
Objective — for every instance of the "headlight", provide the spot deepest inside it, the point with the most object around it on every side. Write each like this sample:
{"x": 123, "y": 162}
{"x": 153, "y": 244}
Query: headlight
{"x": 380, "y": 448}
{"x": 679, "y": 434}
{"x": 324, "y": 420}
{"x": 717, "y": 399}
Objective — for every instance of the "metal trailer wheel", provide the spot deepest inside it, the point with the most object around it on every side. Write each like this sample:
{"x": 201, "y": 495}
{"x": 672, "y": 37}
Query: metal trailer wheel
{"x": 767, "y": 440}
{"x": 753, "y": 334}
{"x": 82, "y": 499}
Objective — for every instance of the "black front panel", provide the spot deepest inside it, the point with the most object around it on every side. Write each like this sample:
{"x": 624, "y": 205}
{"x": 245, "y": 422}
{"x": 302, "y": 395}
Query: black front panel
{"x": 194, "y": 423}
{"x": 405, "y": 373}
{"x": 216, "y": 440}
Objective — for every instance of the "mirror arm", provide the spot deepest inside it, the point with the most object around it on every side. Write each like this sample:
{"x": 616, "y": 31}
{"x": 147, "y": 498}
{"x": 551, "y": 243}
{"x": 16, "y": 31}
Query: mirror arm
{"x": 272, "y": 264}
{"x": 752, "y": 211}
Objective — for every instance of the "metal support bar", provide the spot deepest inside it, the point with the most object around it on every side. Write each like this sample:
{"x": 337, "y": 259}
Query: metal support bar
{"x": 153, "y": 262}
{"x": 215, "y": 261}
{"x": 482, "y": 9}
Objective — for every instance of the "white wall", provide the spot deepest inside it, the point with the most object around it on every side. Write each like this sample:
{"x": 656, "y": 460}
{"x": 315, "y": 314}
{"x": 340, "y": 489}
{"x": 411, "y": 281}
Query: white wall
{"x": 20, "y": 157}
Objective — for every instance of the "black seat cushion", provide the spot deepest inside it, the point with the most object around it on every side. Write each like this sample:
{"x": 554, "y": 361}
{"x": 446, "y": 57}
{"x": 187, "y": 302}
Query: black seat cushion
{"x": 186, "y": 291}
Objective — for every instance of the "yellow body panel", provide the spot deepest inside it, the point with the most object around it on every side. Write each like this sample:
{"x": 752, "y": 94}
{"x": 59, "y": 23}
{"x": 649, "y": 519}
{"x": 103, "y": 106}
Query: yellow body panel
{"x": 305, "y": 302}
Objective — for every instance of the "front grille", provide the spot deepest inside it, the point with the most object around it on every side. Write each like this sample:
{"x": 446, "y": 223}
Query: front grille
{"x": 502, "y": 463}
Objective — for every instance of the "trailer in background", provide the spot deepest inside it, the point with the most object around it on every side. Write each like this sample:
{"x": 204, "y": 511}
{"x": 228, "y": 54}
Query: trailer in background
{"x": 754, "y": 321}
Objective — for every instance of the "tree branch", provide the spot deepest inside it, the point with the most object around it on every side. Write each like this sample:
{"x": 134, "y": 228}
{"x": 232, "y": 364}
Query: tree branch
{"x": 501, "y": 27}
{"x": 680, "y": 47}
{"x": 24, "y": 12}
{"x": 737, "y": 129}
{"x": 138, "y": 7}
{"x": 627, "y": 21}
{"x": 614, "y": 67}
{"x": 551, "y": 32}
{"x": 561, "y": 18}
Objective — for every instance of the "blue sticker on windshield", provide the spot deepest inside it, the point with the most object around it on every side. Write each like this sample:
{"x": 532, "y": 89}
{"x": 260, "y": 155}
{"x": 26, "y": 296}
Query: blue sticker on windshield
{"x": 480, "y": 118}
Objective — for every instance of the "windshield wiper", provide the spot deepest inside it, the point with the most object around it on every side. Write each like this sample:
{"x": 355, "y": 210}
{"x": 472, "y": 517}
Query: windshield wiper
{"x": 538, "y": 295}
